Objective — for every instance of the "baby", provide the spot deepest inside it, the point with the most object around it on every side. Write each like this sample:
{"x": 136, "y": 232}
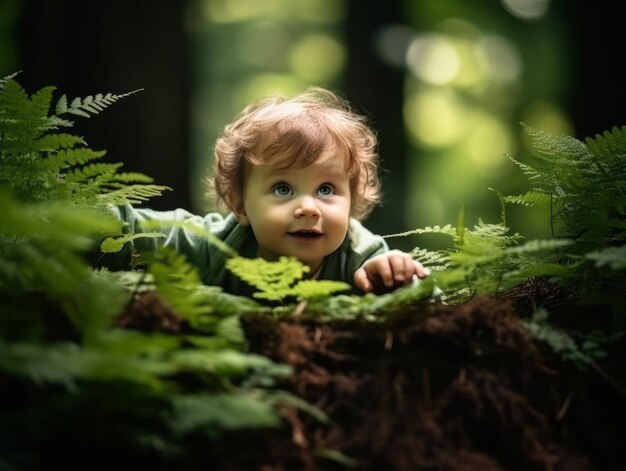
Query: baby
{"x": 296, "y": 175}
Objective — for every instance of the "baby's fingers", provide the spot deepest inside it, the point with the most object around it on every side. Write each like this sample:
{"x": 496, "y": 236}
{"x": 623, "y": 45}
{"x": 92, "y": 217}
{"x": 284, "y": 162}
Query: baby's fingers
{"x": 362, "y": 281}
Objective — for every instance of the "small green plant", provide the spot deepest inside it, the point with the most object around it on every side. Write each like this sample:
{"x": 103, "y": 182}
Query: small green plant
{"x": 484, "y": 259}
{"x": 582, "y": 187}
{"x": 282, "y": 279}
{"x": 60, "y": 349}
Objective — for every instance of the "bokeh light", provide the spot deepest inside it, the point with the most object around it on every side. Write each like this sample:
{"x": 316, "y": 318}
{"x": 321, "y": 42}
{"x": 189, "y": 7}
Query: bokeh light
{"x": 433, "y": 59}
{"x": 317, "y": 58}
{"x": 527, "y": 9}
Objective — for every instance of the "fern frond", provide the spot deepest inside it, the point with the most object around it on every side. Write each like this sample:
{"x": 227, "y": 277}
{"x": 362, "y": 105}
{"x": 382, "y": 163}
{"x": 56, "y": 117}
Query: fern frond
{"x": 91, "y": 171}
{"x": 609, "y": 143}
{"x": 612, "y": 257}
{"x": 71, "y": 157}
{"x": 537, "y": 269}
{"x": 23, "y": 120}
{"x": 131, "y": 177}
{"x": 531, "y": 198}
{"x": 52, "y": 142}
{"x": 40, "y": 102}
{"x": 115, "y": 244}
{"x": 476, "y": 254}
{"x": 89, "y": 105}
{"x": 551, "y": 148}
{"x": 226, "y": 411}
{"x": 537, "y": 245}
{"x": 312, "y": 290}
{"x": 132, "y": 194}
{"x": 435, "y": 260}
{"x": 448, "y": 229}
{"x": 9, "y": 77}
{"x": 177, "y": 281}
{"x": 273, "y": 279}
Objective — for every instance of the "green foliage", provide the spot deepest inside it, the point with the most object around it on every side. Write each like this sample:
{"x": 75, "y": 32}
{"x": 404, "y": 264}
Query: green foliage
{"x": 39, "y": 163}
{"x": 588, "y": 349}
{"x": 57, "y": 334}
{"x": 282, "y": 279}
{"x": 584, "y": 183}
{"x": 484, "y": 259}
{"x": 59, "y": 342}
{"x": 584, "y": 187}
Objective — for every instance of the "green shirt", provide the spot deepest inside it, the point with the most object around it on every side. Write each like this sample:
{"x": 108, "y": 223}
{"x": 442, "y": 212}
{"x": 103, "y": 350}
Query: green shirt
{"x": 359, "y": 246}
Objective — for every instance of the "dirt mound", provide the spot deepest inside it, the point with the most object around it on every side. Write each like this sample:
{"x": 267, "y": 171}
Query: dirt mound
{"x": 466, "y": 389}
{"x": 437, "y": 387}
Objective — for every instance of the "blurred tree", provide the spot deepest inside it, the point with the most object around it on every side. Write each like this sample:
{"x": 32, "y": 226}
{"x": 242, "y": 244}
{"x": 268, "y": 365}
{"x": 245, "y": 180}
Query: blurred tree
{"x": 117, "y": 46}
{"x": 375, "y": 88}
{"x": 598, "y": 100}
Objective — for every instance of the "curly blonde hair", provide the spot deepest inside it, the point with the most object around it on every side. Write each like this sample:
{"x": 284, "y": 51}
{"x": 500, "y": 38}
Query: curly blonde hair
{"x": 312, "y": 125}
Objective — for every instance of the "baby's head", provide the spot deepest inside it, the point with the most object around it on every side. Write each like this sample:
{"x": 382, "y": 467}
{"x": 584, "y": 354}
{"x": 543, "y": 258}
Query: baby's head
{"x": 293, "y": 133}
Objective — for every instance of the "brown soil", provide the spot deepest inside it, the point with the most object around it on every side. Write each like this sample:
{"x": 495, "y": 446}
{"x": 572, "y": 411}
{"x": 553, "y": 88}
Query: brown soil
{"x": 440, "y": 388}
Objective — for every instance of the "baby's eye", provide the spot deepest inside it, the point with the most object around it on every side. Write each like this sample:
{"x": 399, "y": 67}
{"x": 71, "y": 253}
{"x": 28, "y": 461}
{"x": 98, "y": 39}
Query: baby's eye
{"x": 282, "y": 189}
{"x": 325, "y": 190}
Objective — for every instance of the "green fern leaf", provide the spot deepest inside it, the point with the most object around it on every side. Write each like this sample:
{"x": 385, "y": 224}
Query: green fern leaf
{"x": 3, "y": 80}
{"x": 273, "y": 279}
{"x": 132, "y": 194}
{"x": 609, "y": 143}
{"x": 550, "y": 148}
{"x": 531, "y": 198}
{"x": 538, "y": 269}
{"x": 221, "y": 412}
{"x": 89, "y": 105}
{"x": 538, "y": 245}
{"x": 40, "y": 102}
{"x": 435, "y": 260}
{"x": 52, "y": 142}
{"x": 91, "y": 171}
{"x": 448, "y": 229}
{"x": 612, "y": 257}
{"x": 312, "y": 290}
{"x": 61, "y": 106}
{"x": 115, "y": 244}
{"x": 71, "y": 157}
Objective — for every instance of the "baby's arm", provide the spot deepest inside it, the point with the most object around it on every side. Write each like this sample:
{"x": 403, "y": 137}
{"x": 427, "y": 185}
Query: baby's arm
{"x": 388, "y": 271}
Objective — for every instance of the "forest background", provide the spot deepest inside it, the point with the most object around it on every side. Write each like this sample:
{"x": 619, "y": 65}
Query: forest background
{"x": 445, "y": 84}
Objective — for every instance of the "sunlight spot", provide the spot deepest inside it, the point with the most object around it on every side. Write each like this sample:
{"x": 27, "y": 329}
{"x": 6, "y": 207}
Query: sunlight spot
{"x": 433, "y": 58}
{"x": 259, "y": 42}
{"x": 321, "y": 11}
{"x": 548, "y": 117}
{"x": 435, "y": 118}
{"x": 317, "y": 58}
{"x": 232, "y": 11}
{"x": 261, "y": 85}
{"x": 488, "y": 142}
{"x": 499, "y": 58}
{"x": 527, "y": 9}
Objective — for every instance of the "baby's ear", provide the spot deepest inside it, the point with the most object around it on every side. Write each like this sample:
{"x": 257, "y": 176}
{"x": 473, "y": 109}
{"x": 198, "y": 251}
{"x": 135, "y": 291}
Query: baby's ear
{"x": 235, "y": 203}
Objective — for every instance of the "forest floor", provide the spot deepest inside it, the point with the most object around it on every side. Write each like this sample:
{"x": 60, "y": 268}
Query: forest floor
{"x": 463, "y": 388}
{"x": 436, "y": 387}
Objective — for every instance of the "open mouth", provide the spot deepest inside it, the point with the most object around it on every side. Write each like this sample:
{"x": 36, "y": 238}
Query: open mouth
{"x": 306, "y": 234}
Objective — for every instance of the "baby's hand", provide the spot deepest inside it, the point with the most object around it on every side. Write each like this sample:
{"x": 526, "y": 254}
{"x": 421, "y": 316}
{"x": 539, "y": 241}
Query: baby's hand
{"x": 388, "y": 271}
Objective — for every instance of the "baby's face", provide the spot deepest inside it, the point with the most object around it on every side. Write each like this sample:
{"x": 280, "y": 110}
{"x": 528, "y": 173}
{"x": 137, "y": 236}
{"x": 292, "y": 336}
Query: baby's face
{"x": 299, "y": 212}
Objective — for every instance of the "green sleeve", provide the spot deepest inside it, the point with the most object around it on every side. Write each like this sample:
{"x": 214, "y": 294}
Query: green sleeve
{"x": 364, "y": 246}
{"x": 206, "y": 257}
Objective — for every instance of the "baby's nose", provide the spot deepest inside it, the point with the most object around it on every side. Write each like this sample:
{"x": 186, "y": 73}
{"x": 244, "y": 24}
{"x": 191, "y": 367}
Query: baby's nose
{"x": 307, "y": 207}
